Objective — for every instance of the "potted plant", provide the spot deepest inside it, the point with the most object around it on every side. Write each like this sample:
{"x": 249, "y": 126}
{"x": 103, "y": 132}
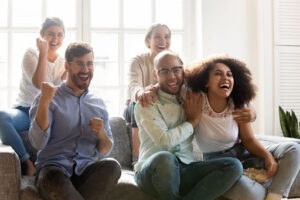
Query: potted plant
{"x": 289, "y": 123}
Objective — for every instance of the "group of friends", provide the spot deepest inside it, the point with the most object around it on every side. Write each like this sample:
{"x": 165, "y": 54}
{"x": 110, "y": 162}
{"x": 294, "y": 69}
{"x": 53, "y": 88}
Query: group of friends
{"x": 168, "y": 105}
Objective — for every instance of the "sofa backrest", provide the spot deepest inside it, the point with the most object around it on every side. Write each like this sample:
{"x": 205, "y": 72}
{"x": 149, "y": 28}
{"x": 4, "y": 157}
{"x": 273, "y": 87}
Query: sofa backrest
{"x": 122, "y": 142}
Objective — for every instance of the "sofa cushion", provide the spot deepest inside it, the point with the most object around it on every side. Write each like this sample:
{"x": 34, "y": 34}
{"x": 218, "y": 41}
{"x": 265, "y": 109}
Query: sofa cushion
{"x": 122, "y": 142}
{"x": 126, "y": 189}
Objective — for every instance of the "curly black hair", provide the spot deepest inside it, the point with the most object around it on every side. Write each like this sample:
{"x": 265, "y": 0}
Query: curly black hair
{"x": 197, "y": 75}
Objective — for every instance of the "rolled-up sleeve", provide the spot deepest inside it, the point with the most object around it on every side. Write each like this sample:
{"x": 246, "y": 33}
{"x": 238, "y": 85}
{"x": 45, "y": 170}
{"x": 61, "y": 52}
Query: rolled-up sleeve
{"x": 37, "y": 136}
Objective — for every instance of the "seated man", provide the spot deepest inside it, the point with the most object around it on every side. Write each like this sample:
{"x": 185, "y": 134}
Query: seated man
{"x": 70, "y": 127}
{"x": 165, "y": 168}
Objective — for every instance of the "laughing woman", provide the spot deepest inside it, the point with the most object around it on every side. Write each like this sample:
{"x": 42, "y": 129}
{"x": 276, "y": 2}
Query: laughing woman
{"x": 226, "y": 84}
{"x": 157, "y": 39}
{"x": 37, "y": 67}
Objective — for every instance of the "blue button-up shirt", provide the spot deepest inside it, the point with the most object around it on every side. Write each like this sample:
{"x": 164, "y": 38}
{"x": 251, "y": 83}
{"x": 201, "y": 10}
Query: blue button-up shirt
{"x": 69, "y": 140}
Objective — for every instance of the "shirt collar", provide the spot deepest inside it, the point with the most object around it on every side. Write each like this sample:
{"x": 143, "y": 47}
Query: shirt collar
{"x": 170, "y": 97}
{"x": 65, "y": 88}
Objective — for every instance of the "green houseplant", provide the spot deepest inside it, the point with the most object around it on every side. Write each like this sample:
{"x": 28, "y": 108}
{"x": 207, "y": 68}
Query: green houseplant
{"x": 289, "y": 123}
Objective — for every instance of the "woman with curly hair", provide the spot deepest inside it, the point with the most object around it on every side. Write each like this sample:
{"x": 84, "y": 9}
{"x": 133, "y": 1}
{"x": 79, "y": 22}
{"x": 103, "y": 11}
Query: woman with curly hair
{"x": 225, "y": 85}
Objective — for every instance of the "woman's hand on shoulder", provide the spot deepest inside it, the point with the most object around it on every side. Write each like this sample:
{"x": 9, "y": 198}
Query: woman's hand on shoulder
{"x": 244, "y": 115}
{"x": 148, "y": 96}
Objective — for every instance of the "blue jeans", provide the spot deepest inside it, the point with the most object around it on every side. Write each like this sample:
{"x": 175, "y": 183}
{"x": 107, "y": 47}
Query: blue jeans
{"x": 165, "y": 177}
{"x": 11, "y": 122}
{"x": 287, "y": 155}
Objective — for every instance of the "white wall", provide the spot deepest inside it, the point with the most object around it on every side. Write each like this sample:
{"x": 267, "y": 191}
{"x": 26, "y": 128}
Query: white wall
{"x": 241, "y": 29}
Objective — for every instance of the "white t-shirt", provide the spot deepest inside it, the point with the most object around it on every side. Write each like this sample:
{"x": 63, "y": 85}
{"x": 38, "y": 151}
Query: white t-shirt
{"x": 28, "y": 91}
{"x": 216, "y": 131}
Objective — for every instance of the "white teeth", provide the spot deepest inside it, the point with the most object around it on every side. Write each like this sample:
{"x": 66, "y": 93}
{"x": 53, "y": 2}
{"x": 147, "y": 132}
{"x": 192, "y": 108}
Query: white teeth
{"x": 83, "y": 76}
{"x": 172, "y": 84}
{"x": 161, "y": 47}
{"x": 224, "y": 86}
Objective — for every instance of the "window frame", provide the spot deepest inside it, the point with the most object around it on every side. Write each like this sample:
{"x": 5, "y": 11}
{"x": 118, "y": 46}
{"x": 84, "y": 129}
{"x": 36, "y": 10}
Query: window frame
{"x": 84, "y": 31}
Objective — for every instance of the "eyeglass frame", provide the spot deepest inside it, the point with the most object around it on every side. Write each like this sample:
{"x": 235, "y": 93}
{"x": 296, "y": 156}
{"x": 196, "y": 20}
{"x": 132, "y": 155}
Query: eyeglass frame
{"x": 81, "y": 65}
{"x": 167, "y": 71}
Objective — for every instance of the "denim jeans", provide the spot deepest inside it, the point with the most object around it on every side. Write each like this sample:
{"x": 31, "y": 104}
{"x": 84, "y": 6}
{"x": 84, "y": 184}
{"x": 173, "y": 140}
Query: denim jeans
{"x": 287, "y": 155}
{"x": 13, "y": 121}
{"x": 94, "y": 183}
{"x": 165, "y": 177}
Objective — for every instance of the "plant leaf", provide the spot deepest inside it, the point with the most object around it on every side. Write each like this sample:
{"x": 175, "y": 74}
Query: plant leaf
{"x": 295, "y": 125}
{"x": 283, "y": 122}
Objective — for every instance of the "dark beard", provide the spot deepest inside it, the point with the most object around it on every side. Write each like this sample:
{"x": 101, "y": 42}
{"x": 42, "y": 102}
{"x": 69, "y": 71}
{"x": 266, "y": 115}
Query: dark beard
{"x": 75, "y": 80}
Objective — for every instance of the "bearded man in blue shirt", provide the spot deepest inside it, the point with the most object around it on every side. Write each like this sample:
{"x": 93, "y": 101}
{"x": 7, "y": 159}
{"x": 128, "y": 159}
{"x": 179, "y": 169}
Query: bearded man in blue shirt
{"x": 70, "y": 128}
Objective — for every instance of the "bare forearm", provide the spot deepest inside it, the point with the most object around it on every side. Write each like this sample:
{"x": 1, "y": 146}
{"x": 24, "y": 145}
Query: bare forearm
{"x": 104, "y": 143}
{"x": 40, "y": 73}
{"x": 250, "y": 142}
{"x": 254, "y": 147}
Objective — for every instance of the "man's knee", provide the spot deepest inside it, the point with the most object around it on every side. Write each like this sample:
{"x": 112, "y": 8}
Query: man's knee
{"x": 51, "y": 177}
{"x": 52, "y": 183}
{"x": 164, "y": 162}
{"x": 111, "y": 167}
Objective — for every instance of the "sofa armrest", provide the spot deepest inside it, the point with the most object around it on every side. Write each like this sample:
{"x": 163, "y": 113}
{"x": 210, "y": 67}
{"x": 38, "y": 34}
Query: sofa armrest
{"x": 267, "y": 139}
{"x": 10, "y": 173}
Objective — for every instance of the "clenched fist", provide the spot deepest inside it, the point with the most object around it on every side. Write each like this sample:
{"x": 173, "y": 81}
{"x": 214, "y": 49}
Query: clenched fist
{"x": 42, "y": 45}
{"x": 47, "y": 92}
{"x": 97, "y": 126}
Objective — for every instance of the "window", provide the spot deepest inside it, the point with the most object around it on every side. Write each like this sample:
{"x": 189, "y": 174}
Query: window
{"x": 114, "y": 28}
{"x": 287, "y": 56}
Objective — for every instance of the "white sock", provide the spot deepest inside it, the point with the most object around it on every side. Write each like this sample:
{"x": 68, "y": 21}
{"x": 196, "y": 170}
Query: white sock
{"x": 274, "y": 196}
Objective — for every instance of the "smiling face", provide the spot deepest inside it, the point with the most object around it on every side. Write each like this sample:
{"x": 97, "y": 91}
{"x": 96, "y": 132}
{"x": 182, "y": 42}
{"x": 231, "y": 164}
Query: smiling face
{"x": 54, "y": 35}
{"x": 80, "y": 72}
{"x": 159, "y": 40}
{"x": 169, "y": 74}
{"x": 220, "y": 82}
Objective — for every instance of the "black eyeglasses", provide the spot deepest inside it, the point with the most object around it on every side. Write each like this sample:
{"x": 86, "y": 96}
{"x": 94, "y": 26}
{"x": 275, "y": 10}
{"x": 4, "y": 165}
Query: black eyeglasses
{"x": 165, "y": 71}
{"x": 81, "y": 65}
